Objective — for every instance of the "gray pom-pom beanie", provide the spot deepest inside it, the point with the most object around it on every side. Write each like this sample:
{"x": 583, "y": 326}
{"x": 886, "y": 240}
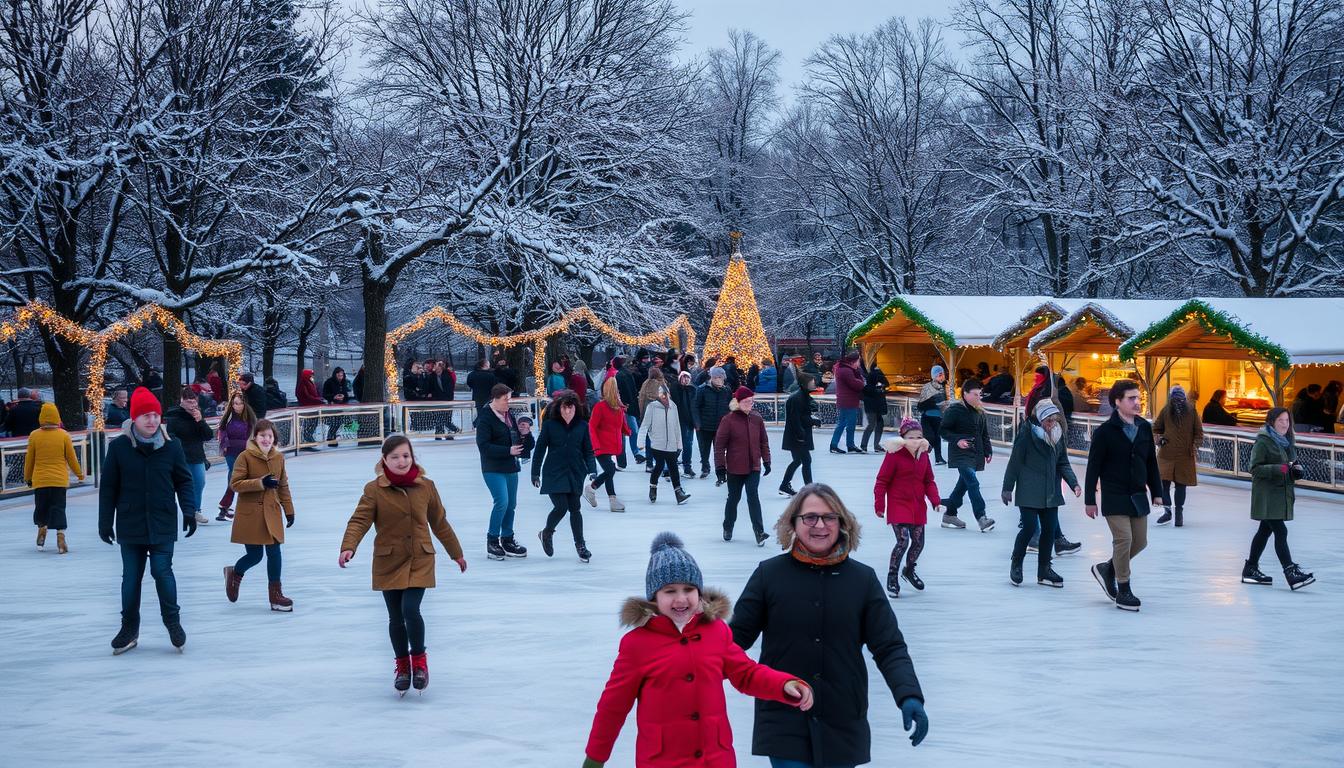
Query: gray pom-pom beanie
{"x": 670, "y": 563}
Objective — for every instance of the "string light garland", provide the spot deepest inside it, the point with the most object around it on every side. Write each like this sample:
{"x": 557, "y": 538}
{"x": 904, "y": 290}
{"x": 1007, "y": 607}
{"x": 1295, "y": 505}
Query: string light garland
{"x": 152, "y": 315}
{"x": 1212, "y": 321}
{"x": 38, "y": 311}
{"x": 899, "y": 306}
{"x": 736, "y": 326}
{"x": 537, "y": 338}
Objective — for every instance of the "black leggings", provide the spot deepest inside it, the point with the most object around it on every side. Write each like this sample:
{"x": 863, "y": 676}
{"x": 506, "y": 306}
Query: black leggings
{"x": 664, "y": 462}
{"x": 405, "y": 625}
{"x": 562, "y": 503}
{"x": 801, "y": 458}
{"x": 930, "y": 427}
{"x": 874, "y": 425}
{"x": 1180, "y": 494}
{"x": 736, "y": 484}
{"x": 1261, "y": 538}
{"x": 909, "y": 539}
{"x": 608, "y": 472}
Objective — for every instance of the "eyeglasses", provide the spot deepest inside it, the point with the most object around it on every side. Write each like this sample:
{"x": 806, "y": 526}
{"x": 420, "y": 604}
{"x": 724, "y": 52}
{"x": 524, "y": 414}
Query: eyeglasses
{"x": 811, "y": 520}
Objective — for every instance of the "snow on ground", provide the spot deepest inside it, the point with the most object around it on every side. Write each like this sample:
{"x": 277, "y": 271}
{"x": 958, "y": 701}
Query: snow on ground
{"x": 1212, "y": 672}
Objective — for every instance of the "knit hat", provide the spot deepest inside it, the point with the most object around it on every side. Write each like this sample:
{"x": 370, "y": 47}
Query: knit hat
{"x": 143, "y": 401}
{"x": 1044, "y": 410}
{"x": 670, "y": 563}
{"x": 743, "y": 393}
{"x": 937, "y": 369}
{"x": 1177, "y": 392}
{"x": 49, "y": 415}
{"x": 909, "y": 424}
{"x": 717, "y": 371}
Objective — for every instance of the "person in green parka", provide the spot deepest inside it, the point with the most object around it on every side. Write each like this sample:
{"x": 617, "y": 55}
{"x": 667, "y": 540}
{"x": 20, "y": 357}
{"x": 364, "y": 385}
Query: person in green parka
{"x": 1274, "y": 470}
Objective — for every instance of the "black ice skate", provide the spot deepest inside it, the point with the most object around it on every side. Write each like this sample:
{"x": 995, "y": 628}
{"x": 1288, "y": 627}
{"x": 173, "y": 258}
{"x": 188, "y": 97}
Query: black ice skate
{"x": 1250, "y": 574}
{"x": 1296, "y": 578}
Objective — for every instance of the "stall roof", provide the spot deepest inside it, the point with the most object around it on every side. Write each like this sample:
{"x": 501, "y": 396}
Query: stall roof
{"x": 1101, "y": 325}
{"x": 1288, "y": 331}
{"x": 952, "y": 321}
{"x": 1034, "y": 321}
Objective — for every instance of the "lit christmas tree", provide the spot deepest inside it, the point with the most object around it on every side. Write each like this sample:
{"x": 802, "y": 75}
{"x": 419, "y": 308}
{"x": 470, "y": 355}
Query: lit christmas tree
{"x": 736, "y": 326}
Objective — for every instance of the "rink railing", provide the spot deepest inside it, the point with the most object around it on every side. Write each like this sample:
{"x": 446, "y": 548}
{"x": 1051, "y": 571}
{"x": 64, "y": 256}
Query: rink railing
{"x": 1225, "y": 451}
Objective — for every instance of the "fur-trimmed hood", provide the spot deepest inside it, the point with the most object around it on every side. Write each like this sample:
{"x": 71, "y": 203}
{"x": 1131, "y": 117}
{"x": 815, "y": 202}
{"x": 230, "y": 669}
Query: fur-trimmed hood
{"x": 917, "y": 447}
{"x": 636, "y": 611}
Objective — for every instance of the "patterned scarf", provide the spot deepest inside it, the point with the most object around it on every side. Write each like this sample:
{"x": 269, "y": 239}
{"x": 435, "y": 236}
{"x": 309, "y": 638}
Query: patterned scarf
{"x": 836, "y": 557}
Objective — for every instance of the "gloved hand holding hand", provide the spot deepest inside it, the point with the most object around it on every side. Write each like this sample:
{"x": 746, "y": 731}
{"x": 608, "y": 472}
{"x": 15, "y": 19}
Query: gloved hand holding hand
{"x": 269, "y": 481}
{"x": 289, "y": 521}
{"x": 107, "y": 536}
{"x": 766, "y": 466}
{"x": 1007, "y": 497}
{"x": 912, "y": 712}
{"x": 1296, "y": 471}
{"x": 189, "y": 523}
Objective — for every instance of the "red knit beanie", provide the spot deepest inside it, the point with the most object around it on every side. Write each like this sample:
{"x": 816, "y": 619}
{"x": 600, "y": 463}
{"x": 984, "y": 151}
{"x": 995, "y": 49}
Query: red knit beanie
{"x": 743, "y": 393}
{"x": 144, "y": 401}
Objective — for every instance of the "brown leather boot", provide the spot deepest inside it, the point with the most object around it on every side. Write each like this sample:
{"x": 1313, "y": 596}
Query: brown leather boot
{"x": 41, "y": 536}
{"x": 232, "y": 581}
{"x": 60, "y": 543}
{"x": 278, "y": 600}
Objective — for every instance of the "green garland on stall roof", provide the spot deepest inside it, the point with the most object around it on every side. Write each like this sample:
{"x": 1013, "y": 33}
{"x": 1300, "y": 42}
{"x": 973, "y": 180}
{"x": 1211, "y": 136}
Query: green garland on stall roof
{"x": 1046, "y": 314}
{"x": 939, "y": 334}
{"x": 1213, "y": 321}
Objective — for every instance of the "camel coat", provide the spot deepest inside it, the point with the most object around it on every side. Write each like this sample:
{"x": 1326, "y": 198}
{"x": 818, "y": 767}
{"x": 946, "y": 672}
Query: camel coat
{"x": 260, "y": 512}
{"x": 1176, "y": 459}
{"x": 403, "y": 552}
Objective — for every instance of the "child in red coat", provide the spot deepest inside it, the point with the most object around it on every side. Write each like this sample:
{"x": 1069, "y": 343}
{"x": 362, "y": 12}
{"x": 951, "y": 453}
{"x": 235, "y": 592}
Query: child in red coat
{"x": 904, "y": 483}
{"x": 674, "y": 662}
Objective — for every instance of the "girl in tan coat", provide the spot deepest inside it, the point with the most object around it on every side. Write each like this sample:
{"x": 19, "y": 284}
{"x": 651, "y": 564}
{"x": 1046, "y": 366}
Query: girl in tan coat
{"x": 262, "y": 486}
{"x": 404, "y": 506}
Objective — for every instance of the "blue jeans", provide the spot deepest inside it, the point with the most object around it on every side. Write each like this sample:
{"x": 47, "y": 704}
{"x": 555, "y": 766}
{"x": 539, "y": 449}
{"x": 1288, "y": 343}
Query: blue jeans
{"x": 160, "y": 557}
{"x": 779, "y": 762}
{"x": 633, "y": 423}
{"x": 197, "y": 484}
{"x": 504, "y": 490}
{"x": 687, "y": 443}
{"x": 967, "y": 483}
{"x": 253, "y": 557}
{"x": 846, "y": 420}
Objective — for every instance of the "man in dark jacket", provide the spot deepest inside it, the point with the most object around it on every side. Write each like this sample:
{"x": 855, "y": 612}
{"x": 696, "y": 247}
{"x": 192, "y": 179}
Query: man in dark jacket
{"x": 188, "y": 427}
{"x": 507, "y": 375}
{"x": 142, "y": 473}
{"x": 480, "y": 381}
{"x": 22, "y": 419}
{"x": 799, "y": 419}
{"x": 443, "y": 386}
{"x": 118, "y": 411}
{"x": 815, "y": 608}
{"x": 711, "y": 405}
{"x": 628, "y": 382}
{"x": 968, "y": 451}
{"x": 1122, "y": 458}
{"x": 683, "y": 394}
{"x": 256, "y": 396}
{"x": 999, "y": 389}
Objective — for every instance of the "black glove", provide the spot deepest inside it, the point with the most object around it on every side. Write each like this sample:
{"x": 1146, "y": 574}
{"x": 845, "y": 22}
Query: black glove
{"x": 289, "y": 521}
{"x": 1296, "y": 471}
{"x": 765, "y": 465}
{"x": 536, "y": 481}
{"x": 269, "y": 481}
{"x": 189, "y": 523}
{"x": 107, "y": 536}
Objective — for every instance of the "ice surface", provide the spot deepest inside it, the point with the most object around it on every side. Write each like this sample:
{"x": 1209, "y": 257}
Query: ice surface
{"x": 1211, "y": 672}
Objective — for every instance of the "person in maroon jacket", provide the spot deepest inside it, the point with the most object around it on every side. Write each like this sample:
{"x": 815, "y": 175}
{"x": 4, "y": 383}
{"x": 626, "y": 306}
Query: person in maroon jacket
{"x": 904, "y": 483}
{"x": 848, "y": 392}
{"x": 741, "y": 457}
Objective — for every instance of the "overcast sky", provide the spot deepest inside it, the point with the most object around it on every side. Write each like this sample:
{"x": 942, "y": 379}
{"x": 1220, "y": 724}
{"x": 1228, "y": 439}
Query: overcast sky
{"x": 793, "y": 27}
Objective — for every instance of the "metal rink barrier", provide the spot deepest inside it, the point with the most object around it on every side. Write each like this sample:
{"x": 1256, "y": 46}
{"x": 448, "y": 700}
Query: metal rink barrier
{"x": 13, "y": 451}
{"x": 343, "y": 425}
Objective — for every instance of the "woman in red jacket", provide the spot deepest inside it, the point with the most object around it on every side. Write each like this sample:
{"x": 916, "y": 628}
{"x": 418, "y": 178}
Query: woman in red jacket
{"x": 904, "y": 483}
{"x": 674, "y": 662}
{"x": 307, "y": 395}
{"x": 607, "y": 428}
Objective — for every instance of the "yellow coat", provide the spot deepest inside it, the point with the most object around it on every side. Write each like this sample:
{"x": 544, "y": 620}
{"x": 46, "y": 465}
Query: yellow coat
{"x": 50, "y": 452}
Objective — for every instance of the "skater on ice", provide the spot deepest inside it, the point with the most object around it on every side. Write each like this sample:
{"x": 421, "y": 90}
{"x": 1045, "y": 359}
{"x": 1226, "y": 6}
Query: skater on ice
{"x": 265, "y": 510}
{"x": 904, "y": 483}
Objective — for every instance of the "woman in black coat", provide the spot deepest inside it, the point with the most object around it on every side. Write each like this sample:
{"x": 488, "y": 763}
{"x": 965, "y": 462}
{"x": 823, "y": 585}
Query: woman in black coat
{"x": 816, "y": 608}
{"x": 874, "y": 407}
{"x": 562, "y": 466}
{"x": 683, "y": 394}
{"x": 799, "y": 419}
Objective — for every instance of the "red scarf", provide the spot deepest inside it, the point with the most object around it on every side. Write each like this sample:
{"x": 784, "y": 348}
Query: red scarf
{"x": 836, "y": 556}
{"x": 401, "y": 481}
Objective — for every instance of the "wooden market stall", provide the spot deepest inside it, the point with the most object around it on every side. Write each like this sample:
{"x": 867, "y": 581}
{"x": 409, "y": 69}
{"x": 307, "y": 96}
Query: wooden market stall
{"x": 1085, "y": 346}
{"x": 912, "y": 333}
{"x": 1261, "y": 351}
{"x": 1012, "y": 341}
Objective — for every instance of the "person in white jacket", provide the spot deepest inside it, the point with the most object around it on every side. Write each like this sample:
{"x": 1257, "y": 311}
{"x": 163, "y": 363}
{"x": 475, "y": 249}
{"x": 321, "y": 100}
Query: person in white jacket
{"x": 662, "y": 427}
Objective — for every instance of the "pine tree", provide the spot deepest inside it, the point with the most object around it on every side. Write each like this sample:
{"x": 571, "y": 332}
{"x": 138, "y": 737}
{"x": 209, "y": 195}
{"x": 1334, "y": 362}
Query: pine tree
{"x": 736, "y": 327}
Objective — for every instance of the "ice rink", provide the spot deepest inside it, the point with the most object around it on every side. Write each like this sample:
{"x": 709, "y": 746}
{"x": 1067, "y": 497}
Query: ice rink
{"x": 1211, "y": 672}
